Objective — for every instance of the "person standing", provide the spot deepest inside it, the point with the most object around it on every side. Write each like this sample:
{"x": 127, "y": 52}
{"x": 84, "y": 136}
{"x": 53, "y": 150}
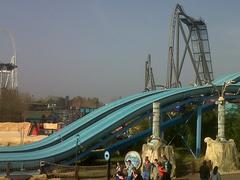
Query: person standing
{"x": 215, "y": 175}
{"x": 162, "y": 172}
{"x": 204, "y": 171}
{"x": 119, "y": 172}
{"x": 118, "y": 167}
{"x": 154, "y": 170}
{"x": 129, "y": 169}
{"x": 167, "y": 166}
{"x": 146, "y": 169}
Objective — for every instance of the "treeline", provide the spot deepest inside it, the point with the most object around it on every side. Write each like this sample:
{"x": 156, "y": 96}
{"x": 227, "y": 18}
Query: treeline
{"x": 79, "y": 101}
{"x": 60, "y": 103}
{"x": 14, "y": 105}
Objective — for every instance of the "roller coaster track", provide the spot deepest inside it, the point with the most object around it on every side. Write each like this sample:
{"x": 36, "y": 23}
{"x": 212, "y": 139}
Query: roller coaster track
{"x": 195, "y": 38}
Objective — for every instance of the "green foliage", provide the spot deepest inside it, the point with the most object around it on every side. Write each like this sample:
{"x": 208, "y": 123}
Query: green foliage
{"x": 143, "y": 125}
{"x": 232, "y": 126}
{"x": 209, "y": 128}
{"x": 188, "y": 130}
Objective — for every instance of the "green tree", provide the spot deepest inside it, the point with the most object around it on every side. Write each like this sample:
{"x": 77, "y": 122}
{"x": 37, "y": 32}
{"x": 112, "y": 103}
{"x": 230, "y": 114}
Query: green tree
{"x": 232, "y": 120}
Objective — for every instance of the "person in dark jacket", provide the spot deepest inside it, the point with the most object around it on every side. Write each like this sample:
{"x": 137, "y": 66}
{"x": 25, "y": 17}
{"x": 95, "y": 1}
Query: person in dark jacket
{"x": 204, "y": 171}
{"x": 167, "y": 166}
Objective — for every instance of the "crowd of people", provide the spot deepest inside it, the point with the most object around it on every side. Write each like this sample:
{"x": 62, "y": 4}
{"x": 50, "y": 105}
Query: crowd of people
{"x": 156, "y": 170}
{"x": 159, "y": 170}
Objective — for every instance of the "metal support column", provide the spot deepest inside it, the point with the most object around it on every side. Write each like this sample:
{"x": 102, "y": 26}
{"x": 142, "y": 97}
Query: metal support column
{"x": 221, "y": 119}
{"x": 156, "y": 121}
{"x": 199, "y": 131}
{"x": 161, "y": 121}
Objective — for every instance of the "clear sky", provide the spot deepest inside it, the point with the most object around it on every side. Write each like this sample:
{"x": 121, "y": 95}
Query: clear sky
{"x": 97, "y": 48}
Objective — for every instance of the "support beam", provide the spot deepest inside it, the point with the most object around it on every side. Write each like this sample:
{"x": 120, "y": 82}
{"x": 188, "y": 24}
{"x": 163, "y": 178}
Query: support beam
{"x": 191, "y": 56}
{"x": 199, "y": 131}
{"x": 221, "y": 119}
{"x": 177, "y": 44}
{"x": 185, "y": 51}
{"x": 161, "y": 122}
{"x": 199, "y": 52}
{"x": 156, "y": 120}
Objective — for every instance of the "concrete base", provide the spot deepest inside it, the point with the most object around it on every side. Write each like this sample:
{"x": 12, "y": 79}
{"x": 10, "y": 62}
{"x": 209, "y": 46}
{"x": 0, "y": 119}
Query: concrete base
{"x": 155, "y": 150}
{"x": 222, "y": 154}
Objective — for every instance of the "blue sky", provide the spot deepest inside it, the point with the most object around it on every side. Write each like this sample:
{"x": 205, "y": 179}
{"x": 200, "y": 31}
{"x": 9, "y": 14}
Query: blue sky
{"x": 97, "y": 48}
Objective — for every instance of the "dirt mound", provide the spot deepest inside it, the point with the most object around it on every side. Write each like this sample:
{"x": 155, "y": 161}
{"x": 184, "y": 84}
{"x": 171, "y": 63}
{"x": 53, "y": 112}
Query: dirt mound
{"x": 16, "y": 127}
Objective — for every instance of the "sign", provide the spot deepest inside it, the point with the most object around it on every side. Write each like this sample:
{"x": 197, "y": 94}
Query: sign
{"x": 42, "y": 163}
{"x": 106, "y": 155}
{"x": 50, "y": 126}
{"x": 135, "y": 158}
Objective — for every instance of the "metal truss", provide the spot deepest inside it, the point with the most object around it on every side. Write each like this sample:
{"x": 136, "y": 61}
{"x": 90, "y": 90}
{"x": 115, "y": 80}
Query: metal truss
{"x": 149, "y": 78}
{"x": 195, "y": 38}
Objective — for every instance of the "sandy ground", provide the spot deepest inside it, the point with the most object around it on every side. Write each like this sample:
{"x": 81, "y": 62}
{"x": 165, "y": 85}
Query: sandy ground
{"x": 6, "y": 140}
{"x": 13, "y": 134}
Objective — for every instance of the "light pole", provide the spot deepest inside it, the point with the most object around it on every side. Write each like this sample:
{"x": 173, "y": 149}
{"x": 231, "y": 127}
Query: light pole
{"x": 78, "y": 136}
{"x": 76, "y": 166}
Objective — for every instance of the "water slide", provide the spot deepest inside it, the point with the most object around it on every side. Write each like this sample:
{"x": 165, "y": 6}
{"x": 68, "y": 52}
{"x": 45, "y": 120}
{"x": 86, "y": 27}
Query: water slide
{"x": 79, "y": 124}
{"x": 227, "y": 78}
{"x": 100, "y": 129}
